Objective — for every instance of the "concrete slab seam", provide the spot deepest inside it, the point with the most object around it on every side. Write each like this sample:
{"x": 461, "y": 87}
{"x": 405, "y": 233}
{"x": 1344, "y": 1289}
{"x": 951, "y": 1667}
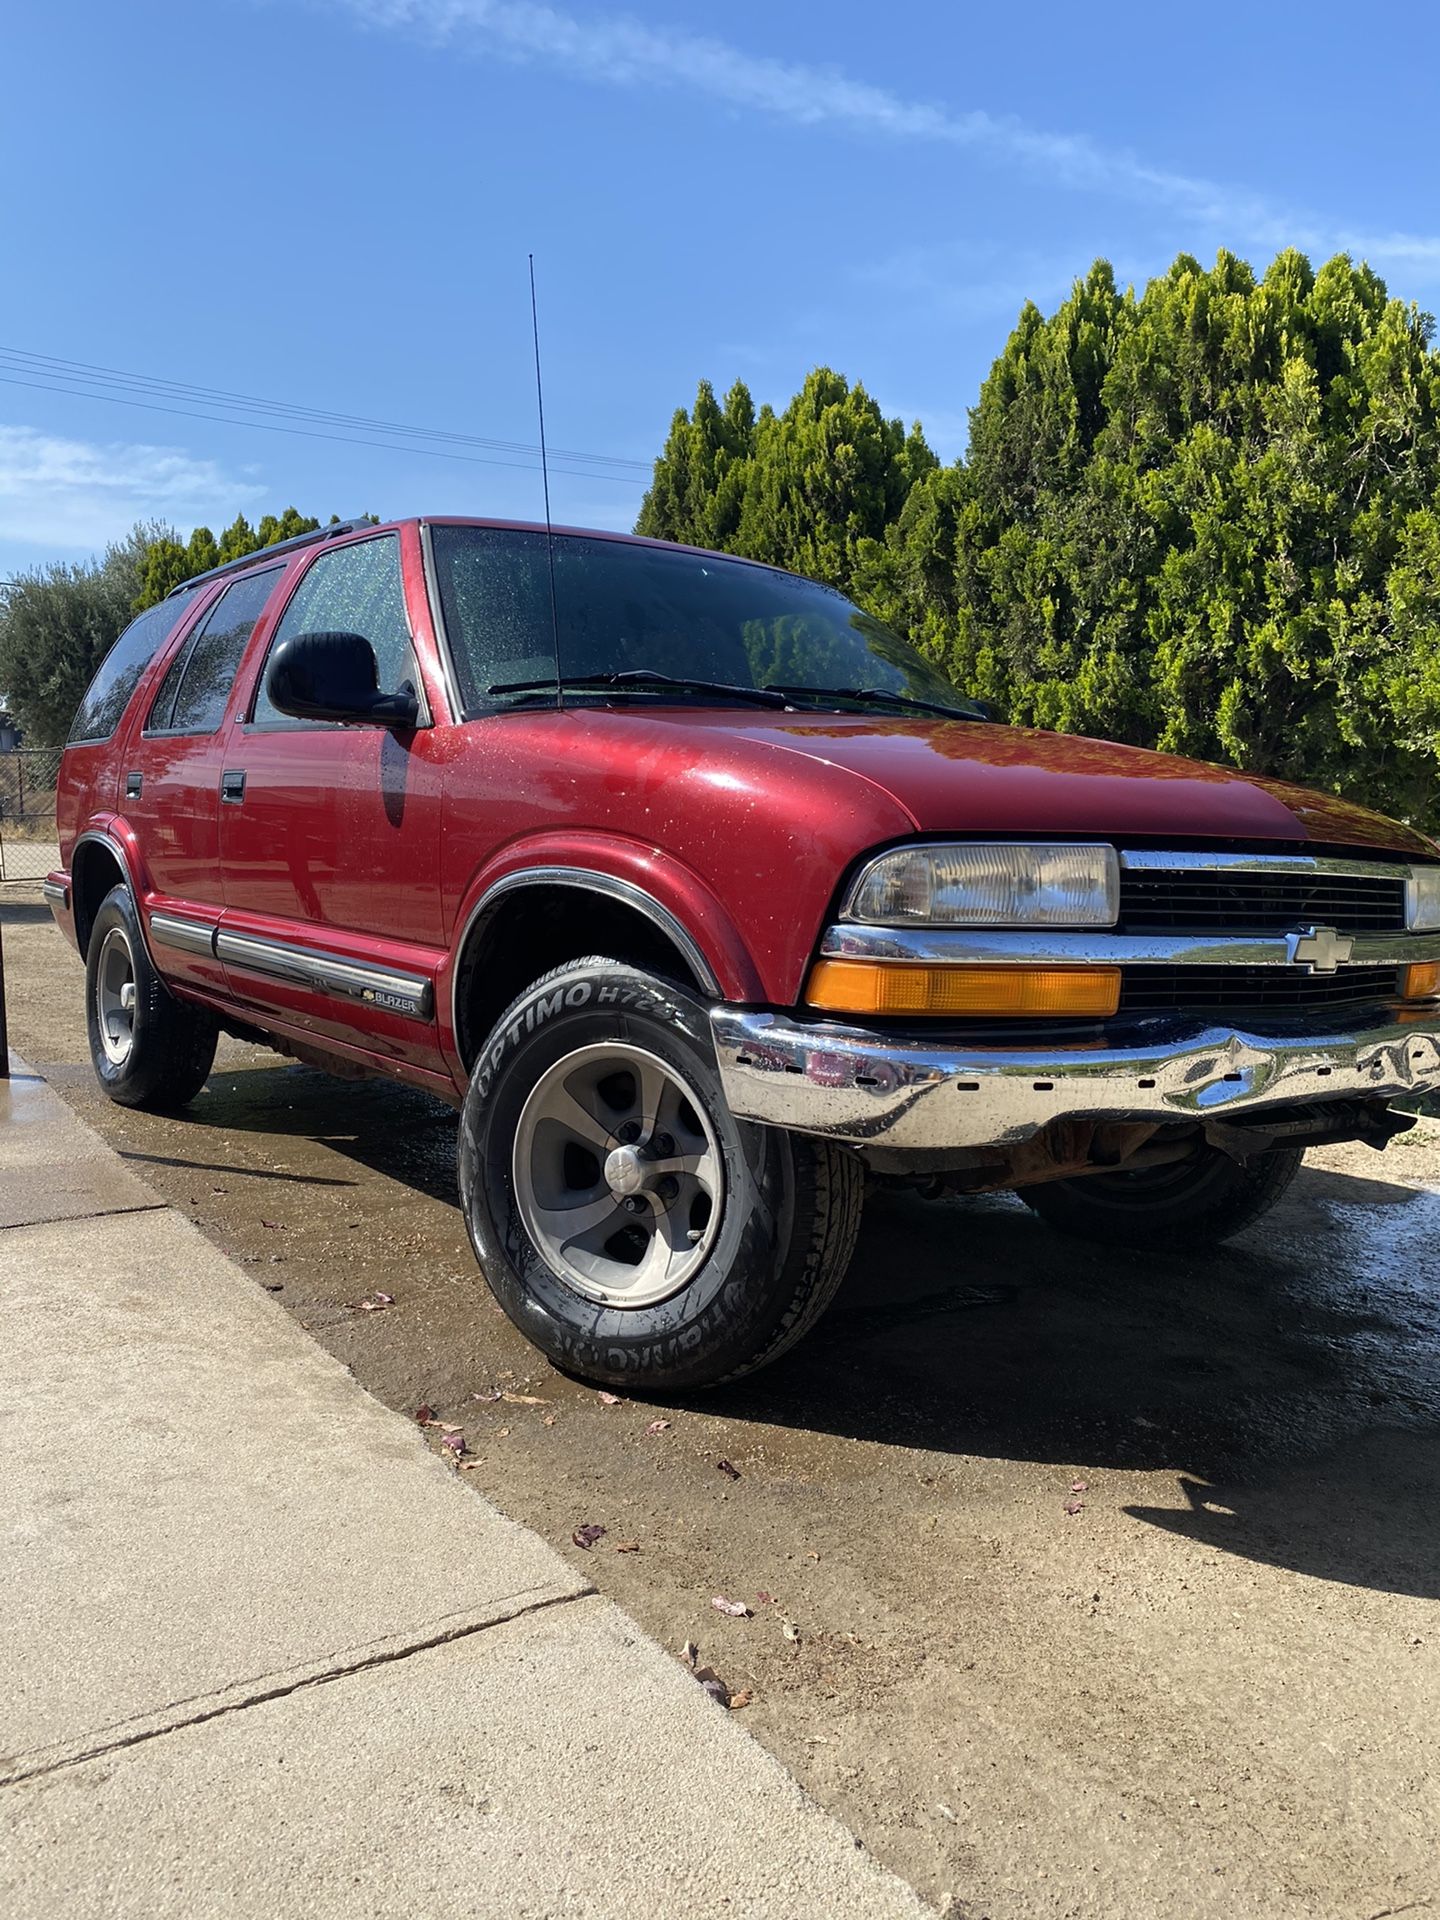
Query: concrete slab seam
{"x": 77, "y": 1219}
{"x": 243, "y": 1694}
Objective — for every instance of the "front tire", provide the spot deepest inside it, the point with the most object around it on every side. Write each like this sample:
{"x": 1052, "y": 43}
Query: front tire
{"x": 1167, "y": 1209}
{"x": 148, "y": 1048}
{"x": 627, "y": 1223}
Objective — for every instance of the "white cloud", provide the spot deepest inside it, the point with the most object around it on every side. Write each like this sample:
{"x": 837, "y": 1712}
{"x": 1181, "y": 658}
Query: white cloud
{"x": 618, "y": 50}
{"x": 81, "y": 494}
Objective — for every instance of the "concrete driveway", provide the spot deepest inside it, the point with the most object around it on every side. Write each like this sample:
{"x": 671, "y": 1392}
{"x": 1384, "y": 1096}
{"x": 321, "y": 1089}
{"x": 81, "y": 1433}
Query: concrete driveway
{"x": 1212, "y": 1688}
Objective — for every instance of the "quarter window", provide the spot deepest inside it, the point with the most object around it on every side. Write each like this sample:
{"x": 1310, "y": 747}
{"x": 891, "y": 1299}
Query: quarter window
{"x": 109, "y": 692}
{"x": 351, "y": 589}
{"x": 196, "y": 688}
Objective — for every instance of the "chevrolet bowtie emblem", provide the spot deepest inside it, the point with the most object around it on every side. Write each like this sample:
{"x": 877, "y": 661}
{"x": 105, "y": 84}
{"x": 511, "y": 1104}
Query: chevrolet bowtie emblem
{"x": 1320, "y": 949}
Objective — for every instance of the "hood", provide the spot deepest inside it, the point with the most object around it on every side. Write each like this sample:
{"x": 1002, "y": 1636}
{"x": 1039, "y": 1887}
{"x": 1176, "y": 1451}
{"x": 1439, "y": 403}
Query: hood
{"x": 968, "y": 777}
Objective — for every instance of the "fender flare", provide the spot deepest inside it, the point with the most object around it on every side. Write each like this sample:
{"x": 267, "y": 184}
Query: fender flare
{"x": 720, "y": 962}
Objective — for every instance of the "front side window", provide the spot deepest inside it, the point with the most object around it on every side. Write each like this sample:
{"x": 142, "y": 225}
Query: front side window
{"x": 195, "y": 692}
{"x": 622, "y": 607}
{"x": 108, "y": 695}
{"x": 353, "y": 589}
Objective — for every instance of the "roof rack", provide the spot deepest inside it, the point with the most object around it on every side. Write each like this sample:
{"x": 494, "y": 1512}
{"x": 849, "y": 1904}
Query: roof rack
{"x": 264, "y": 554}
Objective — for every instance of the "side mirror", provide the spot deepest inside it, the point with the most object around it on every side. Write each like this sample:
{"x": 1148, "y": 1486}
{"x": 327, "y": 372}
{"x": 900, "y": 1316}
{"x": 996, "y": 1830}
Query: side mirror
{"x": 334, "y": 676}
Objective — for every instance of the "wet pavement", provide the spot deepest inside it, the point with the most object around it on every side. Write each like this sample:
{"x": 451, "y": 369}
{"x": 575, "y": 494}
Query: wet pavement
{"x": 1212, "y": 1688}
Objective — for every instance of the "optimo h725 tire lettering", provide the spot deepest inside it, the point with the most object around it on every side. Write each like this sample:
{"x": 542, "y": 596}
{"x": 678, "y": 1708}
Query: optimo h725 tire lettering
{"x": 628, "y": 1224}
{"x": 148, "y": 1048}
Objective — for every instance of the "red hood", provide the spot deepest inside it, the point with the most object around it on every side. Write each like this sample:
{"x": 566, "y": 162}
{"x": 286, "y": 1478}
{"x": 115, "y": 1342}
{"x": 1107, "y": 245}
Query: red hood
{"x": 965, "y": 777}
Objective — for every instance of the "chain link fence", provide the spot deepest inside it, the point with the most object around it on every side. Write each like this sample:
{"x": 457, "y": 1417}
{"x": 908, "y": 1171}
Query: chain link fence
{"x": 29, "y": 841}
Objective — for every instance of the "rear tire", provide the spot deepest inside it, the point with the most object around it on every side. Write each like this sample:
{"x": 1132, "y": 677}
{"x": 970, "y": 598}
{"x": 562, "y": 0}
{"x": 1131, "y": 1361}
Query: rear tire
{"x": 628, "y": 1224}
{"x": 148, "y": 1048}
{"x": 1203, "y": 1199}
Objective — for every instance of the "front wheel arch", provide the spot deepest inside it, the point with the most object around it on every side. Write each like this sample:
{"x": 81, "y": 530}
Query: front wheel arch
{"x": 531, "y": 930}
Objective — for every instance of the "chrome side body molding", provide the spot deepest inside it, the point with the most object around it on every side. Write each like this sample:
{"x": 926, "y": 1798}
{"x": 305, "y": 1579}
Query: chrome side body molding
{"x": 329, "y": 973}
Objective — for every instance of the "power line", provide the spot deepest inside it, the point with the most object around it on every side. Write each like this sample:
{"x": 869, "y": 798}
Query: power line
{"x": 22, "y": 360}
{"x": 118, "y": 388}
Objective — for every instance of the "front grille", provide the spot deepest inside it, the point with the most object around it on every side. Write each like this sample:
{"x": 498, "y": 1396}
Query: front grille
{"x": 1252, "y": 989}
{"x": 1256, "y": 901}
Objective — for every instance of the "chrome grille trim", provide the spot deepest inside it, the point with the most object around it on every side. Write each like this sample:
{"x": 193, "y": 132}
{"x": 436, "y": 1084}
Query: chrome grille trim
{"x": 959, "y": 946}
{"x": 1148, "y": 860}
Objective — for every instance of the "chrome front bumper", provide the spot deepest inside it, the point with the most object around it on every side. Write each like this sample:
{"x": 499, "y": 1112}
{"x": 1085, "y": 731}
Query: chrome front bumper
{"x": 845, "y": 1083}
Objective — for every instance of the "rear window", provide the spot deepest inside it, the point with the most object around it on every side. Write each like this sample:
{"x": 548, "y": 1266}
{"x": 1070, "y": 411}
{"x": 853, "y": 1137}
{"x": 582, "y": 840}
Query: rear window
{"x": 109, "y": 692}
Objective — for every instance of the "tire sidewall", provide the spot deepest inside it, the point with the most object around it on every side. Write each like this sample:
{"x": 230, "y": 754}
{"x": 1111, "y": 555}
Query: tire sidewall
{"x": 118, "y": 910}
{"x": 726, "y": 1308}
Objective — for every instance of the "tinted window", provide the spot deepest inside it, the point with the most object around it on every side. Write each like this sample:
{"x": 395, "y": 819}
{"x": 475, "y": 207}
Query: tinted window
{"x": 163, "y": 705}
{"x": 623, "y": 606}
{"x": 109, "y": 692}
{"x": 355, "y": 589}
{"x": 196, "y": 688}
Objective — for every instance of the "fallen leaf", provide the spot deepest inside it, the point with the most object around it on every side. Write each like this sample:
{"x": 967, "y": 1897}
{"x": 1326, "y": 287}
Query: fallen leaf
{"x": 730, "y": 1473}
{"x": 275, "y": 1226}
{"x": 656, "y": 1426}
{"x": 609, "y": 1399}
{"x": 425, "y": 1415}
{"x": 790, "y": 1631}
{"x": 737, "y": 1609}
{"x": 765, "y": 1599}
{"x": 524, "y": 1400}
{"x": 453, "y": 1441}
{"x": 713, "y": 1685}
{"x": 690, "y": 1653}
{"x": 385, "y": 1299}
{"x": 627, "y": 1546}
{"x": 1072, "y": 1507}
{"x": 587, "y": 1536}
{"x": 374, "y": 1303}
{"x": 1079, "y": 1486}
{"x": 741, "y": 1699}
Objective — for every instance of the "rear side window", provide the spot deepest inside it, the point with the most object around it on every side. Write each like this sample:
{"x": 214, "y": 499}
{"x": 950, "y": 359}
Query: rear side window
{"x": 196, "y": 688}
{"x": 109, "y": 692}
{"x": 354, "y": 589}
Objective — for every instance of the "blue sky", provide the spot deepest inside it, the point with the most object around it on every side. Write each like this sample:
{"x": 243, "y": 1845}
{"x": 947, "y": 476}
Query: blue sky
{"x": 328, "y": 204}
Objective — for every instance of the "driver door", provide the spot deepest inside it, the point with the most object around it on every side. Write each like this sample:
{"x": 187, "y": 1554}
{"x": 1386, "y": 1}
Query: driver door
{"x": 330, "y": 834}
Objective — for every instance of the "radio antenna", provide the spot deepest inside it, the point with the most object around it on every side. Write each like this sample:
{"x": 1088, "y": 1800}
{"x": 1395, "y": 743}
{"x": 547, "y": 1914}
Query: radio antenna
{"x": 545, "y": 477}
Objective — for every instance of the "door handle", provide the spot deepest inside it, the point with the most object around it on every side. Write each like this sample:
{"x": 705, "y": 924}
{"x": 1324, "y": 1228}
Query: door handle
{"x": 133, "y": 784}
{"x": 232, "y": 787}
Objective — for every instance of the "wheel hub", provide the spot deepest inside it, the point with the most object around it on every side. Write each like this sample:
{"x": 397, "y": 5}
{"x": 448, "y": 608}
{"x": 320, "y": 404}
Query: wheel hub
{"x": 626, "y": 1171}
{"x": 618, "y": 1175}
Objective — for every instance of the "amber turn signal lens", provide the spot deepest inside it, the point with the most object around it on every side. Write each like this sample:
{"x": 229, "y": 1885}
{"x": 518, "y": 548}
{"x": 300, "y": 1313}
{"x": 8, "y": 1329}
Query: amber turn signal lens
{"x": 901, "y": 987}
{"x": 1421, "y": 982}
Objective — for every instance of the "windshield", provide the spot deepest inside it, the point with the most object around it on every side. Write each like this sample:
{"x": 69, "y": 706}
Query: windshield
{"x": 627, "y": 609}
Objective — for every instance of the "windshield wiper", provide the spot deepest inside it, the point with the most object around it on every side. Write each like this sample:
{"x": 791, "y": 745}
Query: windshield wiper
{"x": 643, "y": 677}
{"x": 883, "y": 697}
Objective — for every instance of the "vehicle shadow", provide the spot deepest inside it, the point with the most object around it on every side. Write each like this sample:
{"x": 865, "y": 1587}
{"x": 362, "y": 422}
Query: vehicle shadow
{"x": 397, "y": 1131}
{"x": 1290, "y": 1382}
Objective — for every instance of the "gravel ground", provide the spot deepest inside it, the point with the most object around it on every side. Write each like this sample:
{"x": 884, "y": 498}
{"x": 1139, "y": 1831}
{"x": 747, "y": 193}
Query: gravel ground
{"x": 1212, "y": 1689}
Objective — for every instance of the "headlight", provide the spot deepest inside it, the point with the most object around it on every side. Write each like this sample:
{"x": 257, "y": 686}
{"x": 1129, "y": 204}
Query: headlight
{"x": 991, "y": 886}
{"x": 1422, "y": 900}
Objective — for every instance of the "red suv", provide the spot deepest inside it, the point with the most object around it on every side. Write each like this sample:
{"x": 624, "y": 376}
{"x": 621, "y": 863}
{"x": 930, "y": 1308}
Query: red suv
{"x": 705, "y": 898}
